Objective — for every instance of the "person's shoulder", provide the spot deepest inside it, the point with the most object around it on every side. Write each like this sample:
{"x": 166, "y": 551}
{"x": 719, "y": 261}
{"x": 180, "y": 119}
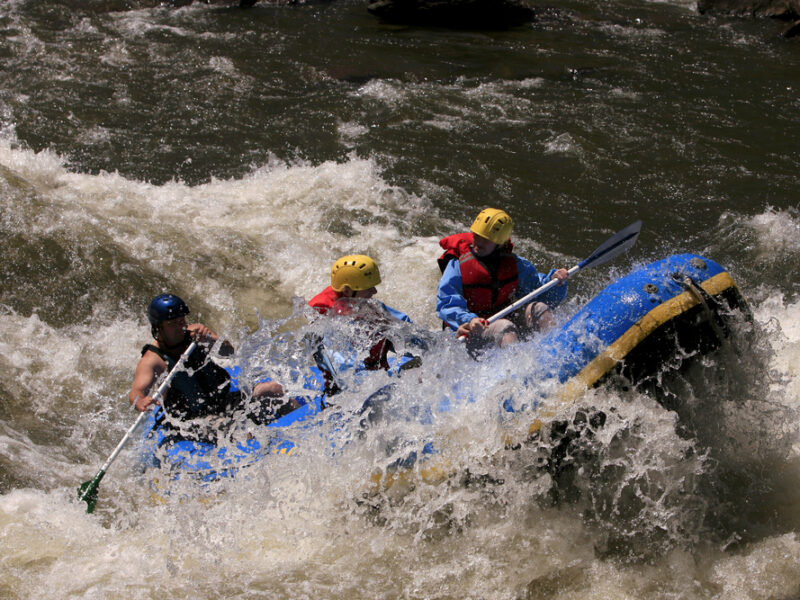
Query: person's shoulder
{"x": 524, "y": 262}
{"x": 151, "y": 356}
{"x": 457, "y": 243}
{"x": 453, "y": 269}
{"x": 324, "y": 300}
{"x": 454, "y": 247}
{"x": 450, "y": 282}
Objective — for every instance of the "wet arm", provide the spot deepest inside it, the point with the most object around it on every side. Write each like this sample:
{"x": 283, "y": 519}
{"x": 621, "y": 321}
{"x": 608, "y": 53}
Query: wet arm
{"x": 150, "y": 367}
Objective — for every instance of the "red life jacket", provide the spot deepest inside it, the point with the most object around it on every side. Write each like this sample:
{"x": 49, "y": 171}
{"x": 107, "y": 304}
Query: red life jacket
{"x": 488, "y": 291}
{"x": 454, "y": 246}
{"x": 458, "y": 244}
{"x": 323, "y": 301}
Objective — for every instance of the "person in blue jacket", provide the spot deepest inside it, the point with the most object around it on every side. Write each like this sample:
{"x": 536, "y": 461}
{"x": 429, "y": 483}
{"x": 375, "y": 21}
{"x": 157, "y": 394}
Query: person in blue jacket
{"x": 482, "y": 275}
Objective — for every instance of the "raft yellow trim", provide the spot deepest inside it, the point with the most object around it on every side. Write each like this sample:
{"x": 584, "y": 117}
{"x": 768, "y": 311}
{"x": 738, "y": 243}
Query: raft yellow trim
{"x": 431, "y": 474}
{"x": 578, "y": 384}
{"x": 618, "y": 350}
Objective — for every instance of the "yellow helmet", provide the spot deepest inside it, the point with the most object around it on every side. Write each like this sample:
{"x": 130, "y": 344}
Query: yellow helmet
{"x": 494, "y": 225}
{"x": 358, "y": 272}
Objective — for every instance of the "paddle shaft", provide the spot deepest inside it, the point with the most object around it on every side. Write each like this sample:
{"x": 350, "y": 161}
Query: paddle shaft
{"x": 89, "y": 489}
{"x": 530, "y": 297}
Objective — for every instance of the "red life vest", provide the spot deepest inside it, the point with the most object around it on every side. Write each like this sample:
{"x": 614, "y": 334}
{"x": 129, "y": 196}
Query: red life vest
{"x": 458, "y": 244}
{"x": 323, "y": 301}
{"x": 488, "y": 291}
{"x": 454, "y": 246}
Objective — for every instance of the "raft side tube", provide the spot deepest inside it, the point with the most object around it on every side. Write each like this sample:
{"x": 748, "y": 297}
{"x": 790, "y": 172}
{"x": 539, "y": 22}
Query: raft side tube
{"x": 681, "y": 306}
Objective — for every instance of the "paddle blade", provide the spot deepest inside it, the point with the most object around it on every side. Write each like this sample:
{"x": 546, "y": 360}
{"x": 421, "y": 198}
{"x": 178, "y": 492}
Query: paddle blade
{"x": 87, "y": 492}
{"x": 617, "y": 244}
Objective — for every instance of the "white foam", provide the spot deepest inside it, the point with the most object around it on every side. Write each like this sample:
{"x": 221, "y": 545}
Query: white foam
{"x": 777, "y": 232}
{"x": 385, "y": 91}
{"x": 785, "y": 344}
{"x": 768, "y": 569}
{"x": 52, "y": 365}
{"x": 277, "y": 229}
{"x": 350, "y": 132}
{"x": 563, "y": 143}
{"x": 222, "y": 64}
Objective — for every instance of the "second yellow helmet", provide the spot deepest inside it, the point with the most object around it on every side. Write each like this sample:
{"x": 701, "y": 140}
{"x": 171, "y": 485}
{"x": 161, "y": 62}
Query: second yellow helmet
{"x": 494, "y": 225}
{"x": 357, "y": 271}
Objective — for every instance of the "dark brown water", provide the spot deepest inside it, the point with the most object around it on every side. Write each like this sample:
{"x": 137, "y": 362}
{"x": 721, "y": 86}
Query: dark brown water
{"x": 231, "y": 156}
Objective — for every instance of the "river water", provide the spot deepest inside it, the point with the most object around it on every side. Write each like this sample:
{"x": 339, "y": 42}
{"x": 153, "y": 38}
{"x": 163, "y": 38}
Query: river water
{"x": 230, "y": 156}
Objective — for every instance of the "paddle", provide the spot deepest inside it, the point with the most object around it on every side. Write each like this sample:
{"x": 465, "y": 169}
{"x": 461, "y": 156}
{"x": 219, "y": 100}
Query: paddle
{"x": 617, "y": 244}
{"x": 87, "y": 492}
{"x": 324, "y": 363}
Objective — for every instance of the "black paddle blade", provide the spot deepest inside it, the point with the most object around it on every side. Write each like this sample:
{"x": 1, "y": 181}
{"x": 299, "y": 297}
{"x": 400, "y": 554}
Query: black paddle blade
{"x": 617, "y": 244}
{"x": 87, "y": 492}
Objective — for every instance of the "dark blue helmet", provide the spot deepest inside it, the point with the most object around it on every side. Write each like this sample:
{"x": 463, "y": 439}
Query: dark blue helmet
{"x": 165, "y": 307}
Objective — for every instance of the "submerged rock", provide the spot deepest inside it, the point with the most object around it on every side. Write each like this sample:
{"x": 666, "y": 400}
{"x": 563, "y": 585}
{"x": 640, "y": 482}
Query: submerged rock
{"x": 793, "y": 30}
{"x": 788, "y": 10}
{"x": 782, "y": 9}
{"x": 461, "y": 14}
{"x": 241, "y": 3}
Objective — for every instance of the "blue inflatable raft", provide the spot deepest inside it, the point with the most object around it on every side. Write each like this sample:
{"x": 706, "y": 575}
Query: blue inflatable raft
{"x": 681, "y": 306}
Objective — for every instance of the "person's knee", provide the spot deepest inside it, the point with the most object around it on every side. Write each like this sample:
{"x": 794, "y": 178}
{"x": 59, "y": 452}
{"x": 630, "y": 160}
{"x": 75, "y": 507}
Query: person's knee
{"x": 509, "y": 338}
{"x": 502, "y": 332}
{"x": 539, "y": 316}
{"x": 270, "y": 389}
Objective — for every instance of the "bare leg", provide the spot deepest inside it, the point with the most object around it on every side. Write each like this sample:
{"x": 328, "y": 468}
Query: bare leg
{"x": 272, "y": 389}
{"x": 538, "y": 317}
{"x": 546, "y": 321}
{"x": 269, "y": 389}
{"x": 509, "y": 337}
{"x": 502, "y": 332}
